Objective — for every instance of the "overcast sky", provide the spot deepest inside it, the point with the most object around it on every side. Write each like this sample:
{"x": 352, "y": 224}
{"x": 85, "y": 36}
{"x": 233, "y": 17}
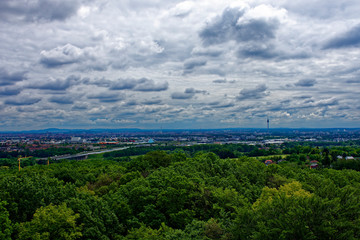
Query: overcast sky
{"x": 179, "y": 64}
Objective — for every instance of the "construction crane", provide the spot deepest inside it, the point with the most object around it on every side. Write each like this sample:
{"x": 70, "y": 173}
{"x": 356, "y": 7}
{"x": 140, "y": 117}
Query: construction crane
{"x": 19, "y": 160}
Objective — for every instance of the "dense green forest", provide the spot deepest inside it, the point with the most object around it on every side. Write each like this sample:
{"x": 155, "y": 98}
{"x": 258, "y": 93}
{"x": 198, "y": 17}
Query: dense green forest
{"x": 207, "y": 192}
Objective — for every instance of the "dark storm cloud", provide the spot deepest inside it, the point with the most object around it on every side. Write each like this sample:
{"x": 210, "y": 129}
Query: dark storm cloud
{"x": 356, "y": 80}
{"x": 214, "y": 103}
{"x": 305, "y": 83}
{"x": 192, "y": 90}
{"x": 224, "y": 81}
{"x": 7, "y": 78}
{"x": 19, "y": 101}
{"x": 10, "y": 91}
{"x": 142, "y": 84}
{"x": 131, "y": 103}
{"x": 302, "y": 97}
{"x": 256, "y": 29}
{"x": 263, "y": 51}
{"x": 344, "y": 108}
{"x": 107, "y": 97}
{"x": 122, "y": 84}
{"x": 350, "y": 38}
{"x": 102, "y": 82}
{"x": 62, "y": 55}
{"x": 253, "y": 93}
{"x": 125, "y": 114}
{"x": 79, "y": 107}
{"x": 187, "y": 94}
{"x": 227, "y": 27}
{"x": 151, "y": 110}
{"x": 56, "y": 84}
{"x": 152, "y": 102}
{"x": 37, "y": 10}
{"x": 220, "y": 81}
{"x": 148, "y": 85}
{"x": 222, "y": 28}
{"x": 260, "y": 51}
{"x": 61, "y": 100}
{"x": 180, "y": 95}
{"x": 254, "y": 34}
{"x": 193, "y": 63}
{"x": 221, "y": 105}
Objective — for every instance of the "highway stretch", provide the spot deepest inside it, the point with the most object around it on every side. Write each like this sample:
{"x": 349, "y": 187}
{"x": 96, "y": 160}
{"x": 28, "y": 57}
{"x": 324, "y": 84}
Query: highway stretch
{"x": 83, "y": 155}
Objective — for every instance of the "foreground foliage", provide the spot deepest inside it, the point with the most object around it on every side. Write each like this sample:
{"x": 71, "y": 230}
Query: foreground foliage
{"x": 175, "y": 195}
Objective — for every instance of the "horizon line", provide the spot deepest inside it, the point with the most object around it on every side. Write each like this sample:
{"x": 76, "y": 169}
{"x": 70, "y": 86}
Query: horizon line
{"x": 175, "y": 129}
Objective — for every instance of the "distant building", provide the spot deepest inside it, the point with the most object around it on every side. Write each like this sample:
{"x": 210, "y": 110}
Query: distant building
{"x": 151, "y": 140}
{"x": 75, "y": 139}
{"x": 314, "y": 164}
{"x": 349, "y": 158}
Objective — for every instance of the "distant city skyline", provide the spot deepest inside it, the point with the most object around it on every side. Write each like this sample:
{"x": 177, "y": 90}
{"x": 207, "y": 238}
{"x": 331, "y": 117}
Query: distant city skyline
{"x": 86, "y": 64}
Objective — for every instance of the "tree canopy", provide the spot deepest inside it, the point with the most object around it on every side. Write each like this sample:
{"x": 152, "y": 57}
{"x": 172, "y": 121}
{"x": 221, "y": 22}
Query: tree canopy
{"x": 179, "y": 194}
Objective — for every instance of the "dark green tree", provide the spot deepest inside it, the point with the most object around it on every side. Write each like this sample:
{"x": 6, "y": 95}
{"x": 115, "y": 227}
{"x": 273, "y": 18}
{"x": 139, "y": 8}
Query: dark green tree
{"x": 5, "y": 223}
{"x": 51, "y": 222}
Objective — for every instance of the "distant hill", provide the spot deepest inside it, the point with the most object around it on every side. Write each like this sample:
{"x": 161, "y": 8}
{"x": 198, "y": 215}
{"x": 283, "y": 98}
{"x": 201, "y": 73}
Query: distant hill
{"x": 138, "y": 130}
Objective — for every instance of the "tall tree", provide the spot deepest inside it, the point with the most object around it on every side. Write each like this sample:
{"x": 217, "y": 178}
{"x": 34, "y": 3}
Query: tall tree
{"x": 5, "y": 223}
{"x": 51, "y": 222}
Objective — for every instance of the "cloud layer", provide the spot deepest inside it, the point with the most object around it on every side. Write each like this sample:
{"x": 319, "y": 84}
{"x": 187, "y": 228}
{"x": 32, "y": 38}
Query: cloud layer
{"x": 179, "y": 64}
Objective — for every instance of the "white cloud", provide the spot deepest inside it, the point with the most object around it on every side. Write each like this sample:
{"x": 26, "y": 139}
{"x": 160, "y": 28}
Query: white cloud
{"x": 182, "y": 9}
{"x": 263, "y": 12}
{"x": 66, "y": 54}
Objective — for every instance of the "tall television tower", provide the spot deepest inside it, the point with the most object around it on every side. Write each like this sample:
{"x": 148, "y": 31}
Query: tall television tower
{"x": 267, "y": 121}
